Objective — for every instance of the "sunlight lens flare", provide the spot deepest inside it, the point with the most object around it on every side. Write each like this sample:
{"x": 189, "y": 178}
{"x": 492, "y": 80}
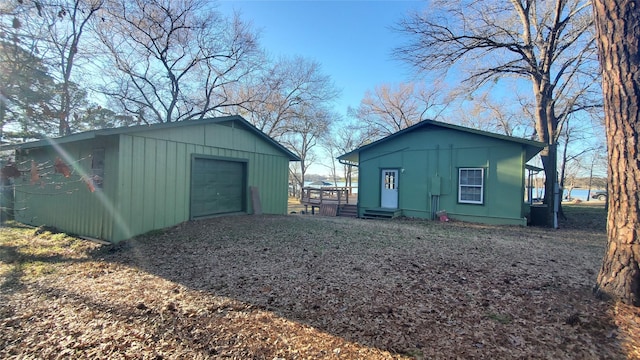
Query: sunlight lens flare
{"x": 106, "y": 202}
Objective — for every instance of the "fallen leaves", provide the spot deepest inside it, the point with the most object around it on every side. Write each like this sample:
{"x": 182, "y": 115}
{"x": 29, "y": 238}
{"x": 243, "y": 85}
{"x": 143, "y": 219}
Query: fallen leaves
{"x": 298, "y": 287}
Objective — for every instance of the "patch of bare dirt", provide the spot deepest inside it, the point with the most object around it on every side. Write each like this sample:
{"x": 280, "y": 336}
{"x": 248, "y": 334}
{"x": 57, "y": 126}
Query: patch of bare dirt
{"x": 303, "y": 287}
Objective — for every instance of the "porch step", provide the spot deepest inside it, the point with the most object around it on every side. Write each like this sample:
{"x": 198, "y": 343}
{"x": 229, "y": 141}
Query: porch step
{"x": 381, "y": 213}
{"x": 348, "y": 211}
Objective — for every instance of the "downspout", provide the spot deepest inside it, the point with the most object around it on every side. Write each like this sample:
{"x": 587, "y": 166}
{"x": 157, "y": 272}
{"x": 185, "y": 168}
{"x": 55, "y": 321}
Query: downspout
{"x": 435, "y": 199}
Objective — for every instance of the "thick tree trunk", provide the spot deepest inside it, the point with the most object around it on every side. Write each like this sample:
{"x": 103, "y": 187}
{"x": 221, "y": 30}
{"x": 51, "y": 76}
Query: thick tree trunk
{"x": 618, "y": 27}
{"x": 549, "y": 163}
{"x": 546, "y": 125}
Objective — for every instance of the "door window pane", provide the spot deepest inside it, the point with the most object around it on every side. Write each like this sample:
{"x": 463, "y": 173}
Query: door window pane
{"x": 389, "y": 180}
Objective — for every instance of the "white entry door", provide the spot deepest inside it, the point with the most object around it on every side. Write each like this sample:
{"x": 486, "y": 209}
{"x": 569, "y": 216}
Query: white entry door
{"x": 389, "y": 190}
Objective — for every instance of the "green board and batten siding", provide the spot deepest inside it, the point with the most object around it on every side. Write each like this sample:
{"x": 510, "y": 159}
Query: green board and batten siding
{"x": 428, "y": 157}
{"x": 147, "y": 177}
{"x": 67, "y": 203}
{"x": 159, "y": 164}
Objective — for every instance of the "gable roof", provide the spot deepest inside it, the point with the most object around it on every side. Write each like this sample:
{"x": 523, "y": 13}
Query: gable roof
{"x": 92, "y": 134}
{"x": 532, "y": 147}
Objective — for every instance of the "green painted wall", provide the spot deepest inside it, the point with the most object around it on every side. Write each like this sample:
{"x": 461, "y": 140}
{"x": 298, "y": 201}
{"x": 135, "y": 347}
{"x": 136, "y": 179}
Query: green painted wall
{"x": 67, "y": 203}
{"x": 155, "y": 173}
{"x": 147, "y": 179}
{"x": 429, "y": 158}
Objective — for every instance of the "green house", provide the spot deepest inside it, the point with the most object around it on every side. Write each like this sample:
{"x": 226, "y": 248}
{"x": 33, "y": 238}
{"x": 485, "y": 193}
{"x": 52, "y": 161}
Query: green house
{"x": 434, "y": 167}
{"x": 113, "y": 184}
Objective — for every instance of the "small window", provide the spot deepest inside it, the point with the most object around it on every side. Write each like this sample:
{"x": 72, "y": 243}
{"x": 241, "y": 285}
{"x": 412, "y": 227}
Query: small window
{"x": 471, "y": 185}
{"x": 97, "y": 167}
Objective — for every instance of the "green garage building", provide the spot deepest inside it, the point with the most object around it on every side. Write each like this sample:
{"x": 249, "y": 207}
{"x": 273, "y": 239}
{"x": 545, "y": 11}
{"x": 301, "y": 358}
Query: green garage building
{"x": 113, "y": 184}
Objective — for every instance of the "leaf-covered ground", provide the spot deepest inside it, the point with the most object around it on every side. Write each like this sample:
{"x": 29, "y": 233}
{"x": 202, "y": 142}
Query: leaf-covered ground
{"x": 309, "y": 287}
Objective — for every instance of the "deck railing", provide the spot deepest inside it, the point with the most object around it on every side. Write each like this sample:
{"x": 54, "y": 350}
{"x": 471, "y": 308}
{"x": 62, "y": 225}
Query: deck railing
{"x": 325, "y": 195}
{"x": 328, "y": 199}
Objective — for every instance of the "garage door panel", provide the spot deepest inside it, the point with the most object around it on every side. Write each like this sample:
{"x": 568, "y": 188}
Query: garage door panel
{"x": 217, "y": 187}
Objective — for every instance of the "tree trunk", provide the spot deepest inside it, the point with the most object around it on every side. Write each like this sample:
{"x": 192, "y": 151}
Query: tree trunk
{"x": 550, "y": 165}
{"x": 618, "y": 31}
{"x": 546, "y": 126}
{"x": 65, "y": 105}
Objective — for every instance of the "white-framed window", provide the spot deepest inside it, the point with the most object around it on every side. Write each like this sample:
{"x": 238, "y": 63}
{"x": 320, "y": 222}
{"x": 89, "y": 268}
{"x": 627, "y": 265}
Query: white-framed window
{"x": 471, "y": 185}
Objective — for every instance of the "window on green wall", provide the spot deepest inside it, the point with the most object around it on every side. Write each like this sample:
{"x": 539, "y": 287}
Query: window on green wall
{"x": 97, "y": 167}
{"x": 471, "y": 185}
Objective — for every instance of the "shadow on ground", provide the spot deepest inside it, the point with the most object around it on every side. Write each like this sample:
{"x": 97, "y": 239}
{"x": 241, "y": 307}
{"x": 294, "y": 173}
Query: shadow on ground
{"x": 420, "y": 289}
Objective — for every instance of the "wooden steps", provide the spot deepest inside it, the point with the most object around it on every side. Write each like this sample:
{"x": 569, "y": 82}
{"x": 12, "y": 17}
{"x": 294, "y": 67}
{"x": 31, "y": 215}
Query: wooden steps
{"x": 347, "y": 210}
{"x": 350, "y": 210}
{"x": 381, "y": 213}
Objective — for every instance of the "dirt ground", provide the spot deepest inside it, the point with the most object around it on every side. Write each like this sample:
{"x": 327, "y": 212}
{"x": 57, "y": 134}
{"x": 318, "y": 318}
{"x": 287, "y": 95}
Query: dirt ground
{"x": 311, "y": 287}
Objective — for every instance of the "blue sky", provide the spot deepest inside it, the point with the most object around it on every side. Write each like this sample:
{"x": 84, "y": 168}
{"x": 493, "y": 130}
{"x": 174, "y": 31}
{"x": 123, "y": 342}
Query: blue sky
{"x": 352, "y": 40}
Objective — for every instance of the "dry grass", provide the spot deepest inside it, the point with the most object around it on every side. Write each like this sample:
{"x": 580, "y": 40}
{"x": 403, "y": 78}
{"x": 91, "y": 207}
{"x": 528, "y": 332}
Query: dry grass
{"x": 303, "y": 287}
{"x": 294, "y": 206}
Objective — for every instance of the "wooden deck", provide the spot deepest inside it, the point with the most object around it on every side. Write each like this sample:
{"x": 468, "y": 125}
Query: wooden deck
{"x": 328, "y": 200}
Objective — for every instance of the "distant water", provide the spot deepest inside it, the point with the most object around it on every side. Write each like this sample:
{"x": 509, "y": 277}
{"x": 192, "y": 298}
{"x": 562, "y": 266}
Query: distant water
{"x": 575, "y": 193}
{"x": 580, "y": 194}
{"x": 338, "y": 184}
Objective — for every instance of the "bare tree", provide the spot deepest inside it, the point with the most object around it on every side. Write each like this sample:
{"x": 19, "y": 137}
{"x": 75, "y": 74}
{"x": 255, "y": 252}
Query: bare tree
{"x": 56, "y": 32}
{"x": 597, "y": 164}
{"x": 548, "y": 43}
{"x": 25, "y": 89}
{"x": 577, "y": 141}
{"x": 486, "y": 113}
{"x": 389, "y": 108}
{"x": 305, "y": 132}
{"x": 618, "y": 29}
{"x": 174, "y": 61}
{"x": 273, "y": 101}
{"x": 66, "y": 24}
{"x": 342, "y": 140}
{"x": 329, "y": 145}
{"x": 289, "y": 101}
{"x": 17, "y": 66}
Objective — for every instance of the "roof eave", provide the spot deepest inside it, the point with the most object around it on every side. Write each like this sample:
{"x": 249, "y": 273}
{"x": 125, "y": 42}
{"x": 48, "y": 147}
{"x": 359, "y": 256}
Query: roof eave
{"x": 532, "y": 147}
{"x": 532, "y": 150}
{"x": 52, "y": 141}
{"x": 88, "y": 135}
{"x": 533, "y": 168}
